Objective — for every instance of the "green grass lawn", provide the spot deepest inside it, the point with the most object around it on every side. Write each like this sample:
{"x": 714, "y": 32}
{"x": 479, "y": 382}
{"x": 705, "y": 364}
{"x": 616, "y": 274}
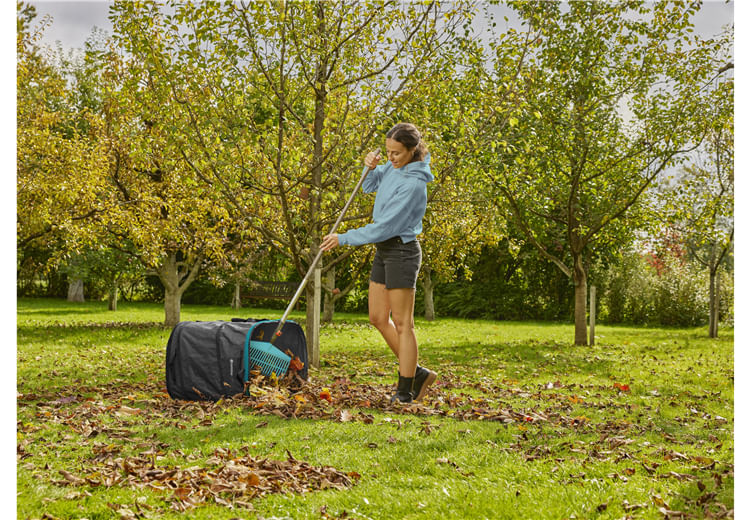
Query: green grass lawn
{"x": 521, "y": 424}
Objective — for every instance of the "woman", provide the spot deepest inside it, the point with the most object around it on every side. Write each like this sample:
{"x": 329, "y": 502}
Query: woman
{"x": 400, "y": 203}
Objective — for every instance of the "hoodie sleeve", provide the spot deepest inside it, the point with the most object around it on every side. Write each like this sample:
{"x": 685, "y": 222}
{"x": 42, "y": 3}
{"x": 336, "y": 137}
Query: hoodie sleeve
{"x": 372, "y": 181}
{"x": 396, "y": 215}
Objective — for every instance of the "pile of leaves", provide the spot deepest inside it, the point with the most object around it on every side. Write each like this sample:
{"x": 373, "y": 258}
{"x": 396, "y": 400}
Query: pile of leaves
{"x": 228, "y": 478}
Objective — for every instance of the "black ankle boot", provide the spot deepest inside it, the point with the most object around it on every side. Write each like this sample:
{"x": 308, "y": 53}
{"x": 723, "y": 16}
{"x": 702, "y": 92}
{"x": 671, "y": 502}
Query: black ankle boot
{"x": 404, "y": 390}
{"x": 422, "y": 379}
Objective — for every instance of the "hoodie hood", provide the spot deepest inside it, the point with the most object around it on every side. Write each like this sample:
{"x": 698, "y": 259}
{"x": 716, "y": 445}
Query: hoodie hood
{"x": 418, "y": 169}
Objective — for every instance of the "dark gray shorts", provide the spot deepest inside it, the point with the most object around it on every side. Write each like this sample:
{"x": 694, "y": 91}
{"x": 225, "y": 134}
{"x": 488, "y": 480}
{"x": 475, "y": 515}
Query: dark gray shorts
{"x": 396, "y": 265}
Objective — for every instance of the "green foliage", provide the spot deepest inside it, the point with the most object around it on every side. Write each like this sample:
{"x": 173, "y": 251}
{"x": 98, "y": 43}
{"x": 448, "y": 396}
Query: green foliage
{"x": 726, "y": 297}
{"x": 32, "y": 279}
{"x": 152, "y": 289}
{"x": 681, "y": 295}
{"x": 699, "y": 202}
{"x": 102, "y": 269}
{"x": 356, "y": 300}
{"x": 204, "y": 292}
{"x": 59, "y": 160}
{"x": 506, "y": 286}
{"x": 625, "y": 292}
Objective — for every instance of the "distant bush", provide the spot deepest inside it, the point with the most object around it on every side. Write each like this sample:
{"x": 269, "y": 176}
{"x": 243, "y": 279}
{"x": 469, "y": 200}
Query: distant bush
{"x": 663, "y": 289}
{"x": 355, "y": 301}
{"x": 627, "y": 292}
{"x": 681, "y": 295}
{"x": 726, "y": 298}
{"x": 674, "y": 292}
{"x": 203, "y": 292}
{"x": 504, "y": 287}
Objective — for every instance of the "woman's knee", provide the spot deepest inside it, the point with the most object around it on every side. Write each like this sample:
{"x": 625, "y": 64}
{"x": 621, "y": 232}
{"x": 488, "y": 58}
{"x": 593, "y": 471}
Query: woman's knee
{"x": 403, "y": 324}
{"x": 379, "y": 321}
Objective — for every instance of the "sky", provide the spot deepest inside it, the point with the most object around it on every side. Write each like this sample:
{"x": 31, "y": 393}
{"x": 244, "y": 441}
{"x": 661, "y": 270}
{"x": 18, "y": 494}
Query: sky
{"x": 73, "y": 21}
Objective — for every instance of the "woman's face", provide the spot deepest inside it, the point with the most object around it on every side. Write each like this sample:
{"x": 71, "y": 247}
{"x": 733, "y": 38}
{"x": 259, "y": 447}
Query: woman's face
{"x": 397, "y": 153}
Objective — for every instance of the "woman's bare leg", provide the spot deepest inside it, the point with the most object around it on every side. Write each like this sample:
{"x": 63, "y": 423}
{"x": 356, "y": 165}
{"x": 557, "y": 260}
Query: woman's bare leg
{"x": 402, "y": 309}
{"x": 380, "y": 315}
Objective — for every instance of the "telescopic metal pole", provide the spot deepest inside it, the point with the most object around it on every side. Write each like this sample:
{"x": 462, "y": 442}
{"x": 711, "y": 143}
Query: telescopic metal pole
{"x": 315, "y": 261}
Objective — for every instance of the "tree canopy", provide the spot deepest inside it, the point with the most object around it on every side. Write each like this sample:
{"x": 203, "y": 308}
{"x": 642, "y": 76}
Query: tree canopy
{"x": 209, "y": 136}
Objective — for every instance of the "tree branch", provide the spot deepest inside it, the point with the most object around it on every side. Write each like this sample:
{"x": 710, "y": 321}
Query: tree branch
{"x": 398, "y": 52}
{"x": 517, "y": 214}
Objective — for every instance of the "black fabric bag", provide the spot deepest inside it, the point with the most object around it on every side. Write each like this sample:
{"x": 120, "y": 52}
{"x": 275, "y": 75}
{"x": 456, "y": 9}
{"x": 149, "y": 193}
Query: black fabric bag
{"x": 205, "y": 359}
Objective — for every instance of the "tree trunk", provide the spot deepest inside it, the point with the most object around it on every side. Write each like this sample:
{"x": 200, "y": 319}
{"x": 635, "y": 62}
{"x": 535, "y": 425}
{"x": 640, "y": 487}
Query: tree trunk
{"x": 713, "y": 304}
{"x": 75, "y": 291}
{"x": 170, "y": 276}
{"x": 329, "y": 299}
{"x": 172, "y": 304}
{"x": 309, "y": 295}
{"x": 311, "y": 330}
{"x": 313, "y": 291}
{"x": 579, "y": 281}
{"x": 718, "y": 303}
{"x": 315, "y": 361}
{"x": 429, "y": 304}
{"x": 114, "y": 291}
{"x": 236, "y": 299}
{"x": 592, "y": 315}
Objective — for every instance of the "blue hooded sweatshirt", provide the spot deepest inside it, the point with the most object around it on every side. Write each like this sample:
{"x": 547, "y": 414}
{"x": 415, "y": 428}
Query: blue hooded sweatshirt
{"x": 399, "y": 204}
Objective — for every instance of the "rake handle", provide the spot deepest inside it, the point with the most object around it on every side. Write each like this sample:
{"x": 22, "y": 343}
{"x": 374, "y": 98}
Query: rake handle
{"x": 315, "y": 261}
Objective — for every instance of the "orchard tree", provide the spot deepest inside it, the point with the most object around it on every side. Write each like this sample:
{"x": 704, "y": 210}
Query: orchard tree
{"x": 700, "y": 204}
{"x": 158, "y": 210}
{"x": 351, "y": 270}
{"x": 455, "y": 229}
{"x": 104, "y": 269}
{"x": 611, "y": 98}
{"x": 59, "y": 160}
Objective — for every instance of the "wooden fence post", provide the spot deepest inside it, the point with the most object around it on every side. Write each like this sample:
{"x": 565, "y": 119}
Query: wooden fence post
{"x": 592, "y": 313}
{"x": 315, "y": 361}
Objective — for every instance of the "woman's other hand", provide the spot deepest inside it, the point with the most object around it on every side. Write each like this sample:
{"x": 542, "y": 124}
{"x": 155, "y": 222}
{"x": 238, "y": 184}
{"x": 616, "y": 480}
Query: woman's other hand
{"x": 329, "y": 242}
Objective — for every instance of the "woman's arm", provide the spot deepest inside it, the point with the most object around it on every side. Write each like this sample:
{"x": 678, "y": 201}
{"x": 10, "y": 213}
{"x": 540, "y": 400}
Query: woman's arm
{"x": 372, "y": 181}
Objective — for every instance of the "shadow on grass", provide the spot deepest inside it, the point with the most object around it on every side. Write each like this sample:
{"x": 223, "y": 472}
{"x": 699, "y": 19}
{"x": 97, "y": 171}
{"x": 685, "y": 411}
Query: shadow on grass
{"x": 652, "y": 335}
{"x": 30, "y": 313}
{"x": 519, "y": 358}
{"x": 228, "y": 432}
{"x": 59, "y": 359}
{"x": 102, "y": 331}
{"x": 524, "y": 357}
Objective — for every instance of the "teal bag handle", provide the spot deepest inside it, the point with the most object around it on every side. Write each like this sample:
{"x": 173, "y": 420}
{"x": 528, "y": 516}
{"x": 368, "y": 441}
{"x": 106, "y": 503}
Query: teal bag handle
{"x": 246, "y": 354}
